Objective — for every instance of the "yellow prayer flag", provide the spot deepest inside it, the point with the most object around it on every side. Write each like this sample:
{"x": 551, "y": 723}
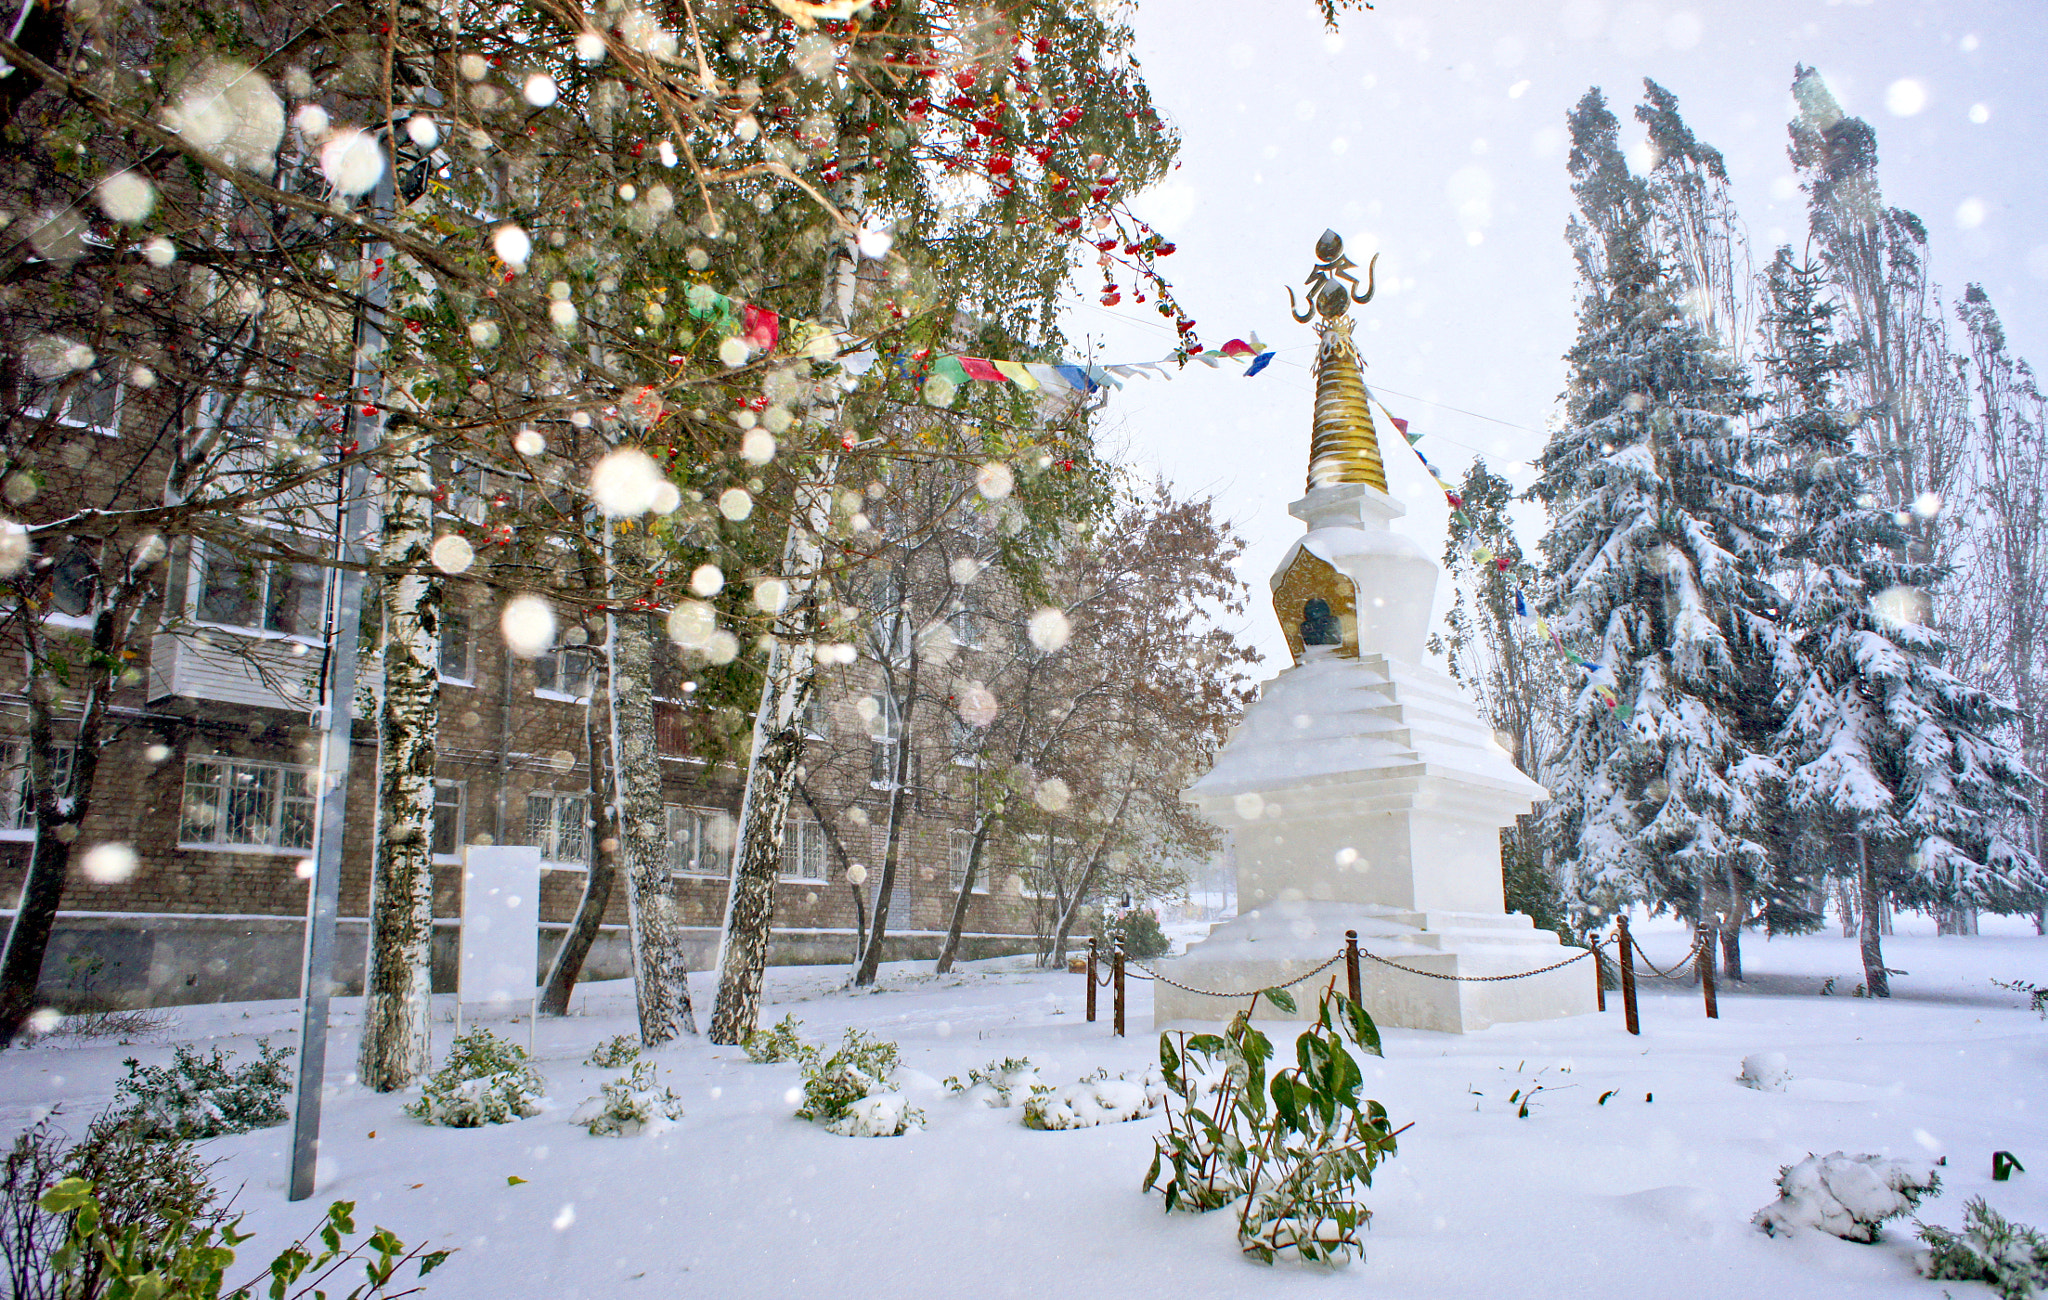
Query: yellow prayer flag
{"x": 1015, "y": 372}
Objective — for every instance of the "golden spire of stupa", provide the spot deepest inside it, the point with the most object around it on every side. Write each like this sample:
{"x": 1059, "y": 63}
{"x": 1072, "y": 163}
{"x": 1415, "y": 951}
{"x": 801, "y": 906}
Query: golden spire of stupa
{"x": 1344, "y": 447}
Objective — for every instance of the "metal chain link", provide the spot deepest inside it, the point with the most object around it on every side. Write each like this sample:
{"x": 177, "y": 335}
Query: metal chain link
{"x": 1233, "y": 993}
{"x": 1472, "y": 979}
{"x": 1699, "y": 943}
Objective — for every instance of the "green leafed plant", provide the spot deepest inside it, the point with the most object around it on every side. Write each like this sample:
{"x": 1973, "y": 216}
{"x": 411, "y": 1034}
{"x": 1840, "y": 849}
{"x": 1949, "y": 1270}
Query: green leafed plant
{"x": 861, "y": 1065}
{"x": 204, "y": 1096}
{"x": 781, "y": 1043}
{"x": 614, "y": 1053}
{"x": 485, "y": 1080}
{"x": 1293, "y": 1148}
{"x": 187, "y": 1259}
{"x": 624, "y": 1107}
{"x": 2011, "y": 1258}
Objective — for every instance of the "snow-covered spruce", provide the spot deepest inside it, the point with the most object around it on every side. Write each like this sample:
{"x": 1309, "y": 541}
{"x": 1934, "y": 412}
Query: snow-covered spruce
{"x": 485, "y": 1080}
{"x": 1097, "y": 1100}
{"x": 1765, "y": 1072}
{"x": 2011, "y": 1258}
{"x": 1846, "y": 1196}
{"x": 1000, "y": 1084}
{"x": 630, "y": 1106}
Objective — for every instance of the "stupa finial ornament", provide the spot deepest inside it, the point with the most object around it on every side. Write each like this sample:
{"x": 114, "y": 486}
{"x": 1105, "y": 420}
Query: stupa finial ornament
{"x": 1343, "y": 447}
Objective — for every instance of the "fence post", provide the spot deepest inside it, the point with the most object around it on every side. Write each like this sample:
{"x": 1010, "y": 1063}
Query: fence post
{"x": 1703, "y": 960}
{"x": 1116, "y": 975}
{"x": 1351, "y": 965}
{"x": 1091, "y": 981}
{"x": 1626, "y": 956}
{"x": 1599, "y": 978}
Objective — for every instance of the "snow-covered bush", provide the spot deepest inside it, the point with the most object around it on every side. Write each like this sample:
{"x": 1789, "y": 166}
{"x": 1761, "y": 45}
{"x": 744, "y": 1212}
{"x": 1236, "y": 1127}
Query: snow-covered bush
{"x": 1847, "y": 1196}
{"x": 1765, "y": 1072}
{"x": 2010, "y": 1257}
{"x": 203, "y": 1096}
{"x": 1294, "y": 1148}
{"x": 1095, "y": 1100}
{"x": 628, "y": 1106}
{"x": 614, "y": 1053}
{"x": 767, "y": 1046}
{"x": 998, "y": 1084}
{"x": 861, "y": 1069}
{"x": 485, "y": 1080}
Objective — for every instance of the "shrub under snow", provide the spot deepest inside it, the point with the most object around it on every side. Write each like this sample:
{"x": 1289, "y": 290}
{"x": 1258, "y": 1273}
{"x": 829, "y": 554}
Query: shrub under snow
{"x": 999, "y": 1084}
{"x": 2010, "y": 1257}
{"x": 485, "y": 1080}
{"x": 203, "y": 1096}
{"x": 1847, "y": 1196}
{"x": 878, "y": 1115}
{"x": 862, "y": 1070}
{"x": 1097, "y": 1100}
{"x": 628, "y": 1106}
{"x": 767, "y": 1046}
{"x": 1765, "y": 1072}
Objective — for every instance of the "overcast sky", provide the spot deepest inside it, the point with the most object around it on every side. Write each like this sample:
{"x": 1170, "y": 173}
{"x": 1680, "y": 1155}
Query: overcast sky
{"x": 1434, "y": 133}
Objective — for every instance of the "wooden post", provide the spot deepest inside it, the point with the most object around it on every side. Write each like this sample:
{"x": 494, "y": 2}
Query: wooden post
{"x": 1116, "y": 975}
{"x": 1091, "y": 981}
{"x": 1599, "y": 978}
{"x": 1628, "y": 974}
{"x": 1351, "y": 965}
{"x": 1703, "y": 958}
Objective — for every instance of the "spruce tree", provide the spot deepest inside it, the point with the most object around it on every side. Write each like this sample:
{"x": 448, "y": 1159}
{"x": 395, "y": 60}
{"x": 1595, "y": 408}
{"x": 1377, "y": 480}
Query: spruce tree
{"x": 1655, "y": 565}
{"x": 1886, "y": 749}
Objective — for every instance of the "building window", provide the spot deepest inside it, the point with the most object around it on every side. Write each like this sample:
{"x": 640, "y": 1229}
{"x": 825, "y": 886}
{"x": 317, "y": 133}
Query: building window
{"x": 74, "y": 578}
{"x": 699, "y": 841}
{"x": 17, "y": 810}
{"x": 232, "y": 804}
{"x": 89, "y": 400}
{"x": 559, "y": 825}
{"x": 967, "y": 741}
{"x": 565, "y": 671}
{"x": 886, "y": 731}
{"x": 258, "y": 595}
{"x": 803, "y": 850}
{"x": 455, "y": 647}
{"x": 967, "y": 629}
{"x": 816, "y": 719}
{"x": 449, "y": 798}
{"x": 959, "y": 850}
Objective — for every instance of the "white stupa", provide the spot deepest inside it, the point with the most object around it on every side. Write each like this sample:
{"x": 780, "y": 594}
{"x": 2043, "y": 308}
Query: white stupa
{"x": 1362, "y": 789}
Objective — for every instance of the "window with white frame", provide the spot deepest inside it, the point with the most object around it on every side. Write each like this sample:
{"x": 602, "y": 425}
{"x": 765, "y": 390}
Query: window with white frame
{"x": 17, "y": 811}
{"x": 700, "y": 841}
{"x": 959, "y": 852}
{"x": 74, "y": 579}
{"x": 257, "y": 595}
{"x": 449, "y": 799}
{"x": 816, "y": 719}
{"x": 967, "y": 741}
{"x": 242, "y": 805}
{"x": 887, "y": 733}
{"x": 455, "y": 647}
{"x": 559, "y": 825}
{"x": 967, "y": 628}
{"x": 565, "y": 671}
{"x": 803, "y": 850}
{"x": 89, "y": 399}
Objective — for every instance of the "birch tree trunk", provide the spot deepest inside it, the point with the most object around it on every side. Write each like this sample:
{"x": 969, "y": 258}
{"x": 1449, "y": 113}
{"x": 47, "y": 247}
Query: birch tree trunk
{"x": 603, "y": 877}
{"x": 398, "y": 979}
{"x": 661, "y": 968}
{"x": 878, "y": 926}
{"x": 778, "y": 741}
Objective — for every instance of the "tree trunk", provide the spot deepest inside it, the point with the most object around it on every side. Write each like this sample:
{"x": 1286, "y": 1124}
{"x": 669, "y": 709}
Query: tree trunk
{"x": 1072, "y": 911}
{"x": 60, "y": 813}
{"x": 899, "y": 805}
{"x": 958, "y": 924}
{"x": 661, "y": 967}
{"x": 1874, "y": 981}
{"x": 1846, "y": 907}
{"x": 1731, "y": 930}
{"x": 750, "y": 906}
{"x": 598, "y": 884}
{"x": 398, "y": 983}
{"x": 860, "y": 905}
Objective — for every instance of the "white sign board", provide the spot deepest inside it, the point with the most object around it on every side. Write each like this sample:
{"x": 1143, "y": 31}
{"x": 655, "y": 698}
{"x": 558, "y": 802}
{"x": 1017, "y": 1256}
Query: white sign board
{"x": 500, "y": 926}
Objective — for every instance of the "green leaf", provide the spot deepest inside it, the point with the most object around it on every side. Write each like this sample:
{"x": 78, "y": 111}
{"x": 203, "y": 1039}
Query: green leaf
{"x": 1279, "y": 997}
{"x": 432, "y": 1260}
{"x": 1363, "y": 1031}
{"x": 513, "y": 1180}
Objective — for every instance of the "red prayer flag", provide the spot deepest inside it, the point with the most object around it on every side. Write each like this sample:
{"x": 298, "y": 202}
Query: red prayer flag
{"x": 977, "y": 368}
{"x": 760, "y": 326}
{"x": 1238, "y": 348}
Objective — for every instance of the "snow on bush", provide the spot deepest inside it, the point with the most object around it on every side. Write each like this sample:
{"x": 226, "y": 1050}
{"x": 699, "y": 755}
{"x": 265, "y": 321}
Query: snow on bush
{"x": 614, "y": 1053}
{"x": 1098, "y": 1099}
{"x": 862, "y": 1069}
{"x": 629, "y": 1106}
{"x": 1765, "y": 1072}
{"x": 2009, "y": 1257}
{"x": 203, "y": 1096}
{"x": 998, "y": 1084}
{"x": 485, "y": 1080}
{"x": 1848, "y": 1196}
{"x": 880, "y": 1115}
{"x": 766, "y": 1046}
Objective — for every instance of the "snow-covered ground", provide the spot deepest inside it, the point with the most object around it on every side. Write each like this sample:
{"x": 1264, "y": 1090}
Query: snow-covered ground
{"x": 1645, "y": 1197}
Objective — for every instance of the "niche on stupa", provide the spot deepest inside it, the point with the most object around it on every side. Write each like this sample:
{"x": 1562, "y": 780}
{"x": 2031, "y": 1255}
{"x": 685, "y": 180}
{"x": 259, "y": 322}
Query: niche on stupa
{"x": 1309, "y": 577}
